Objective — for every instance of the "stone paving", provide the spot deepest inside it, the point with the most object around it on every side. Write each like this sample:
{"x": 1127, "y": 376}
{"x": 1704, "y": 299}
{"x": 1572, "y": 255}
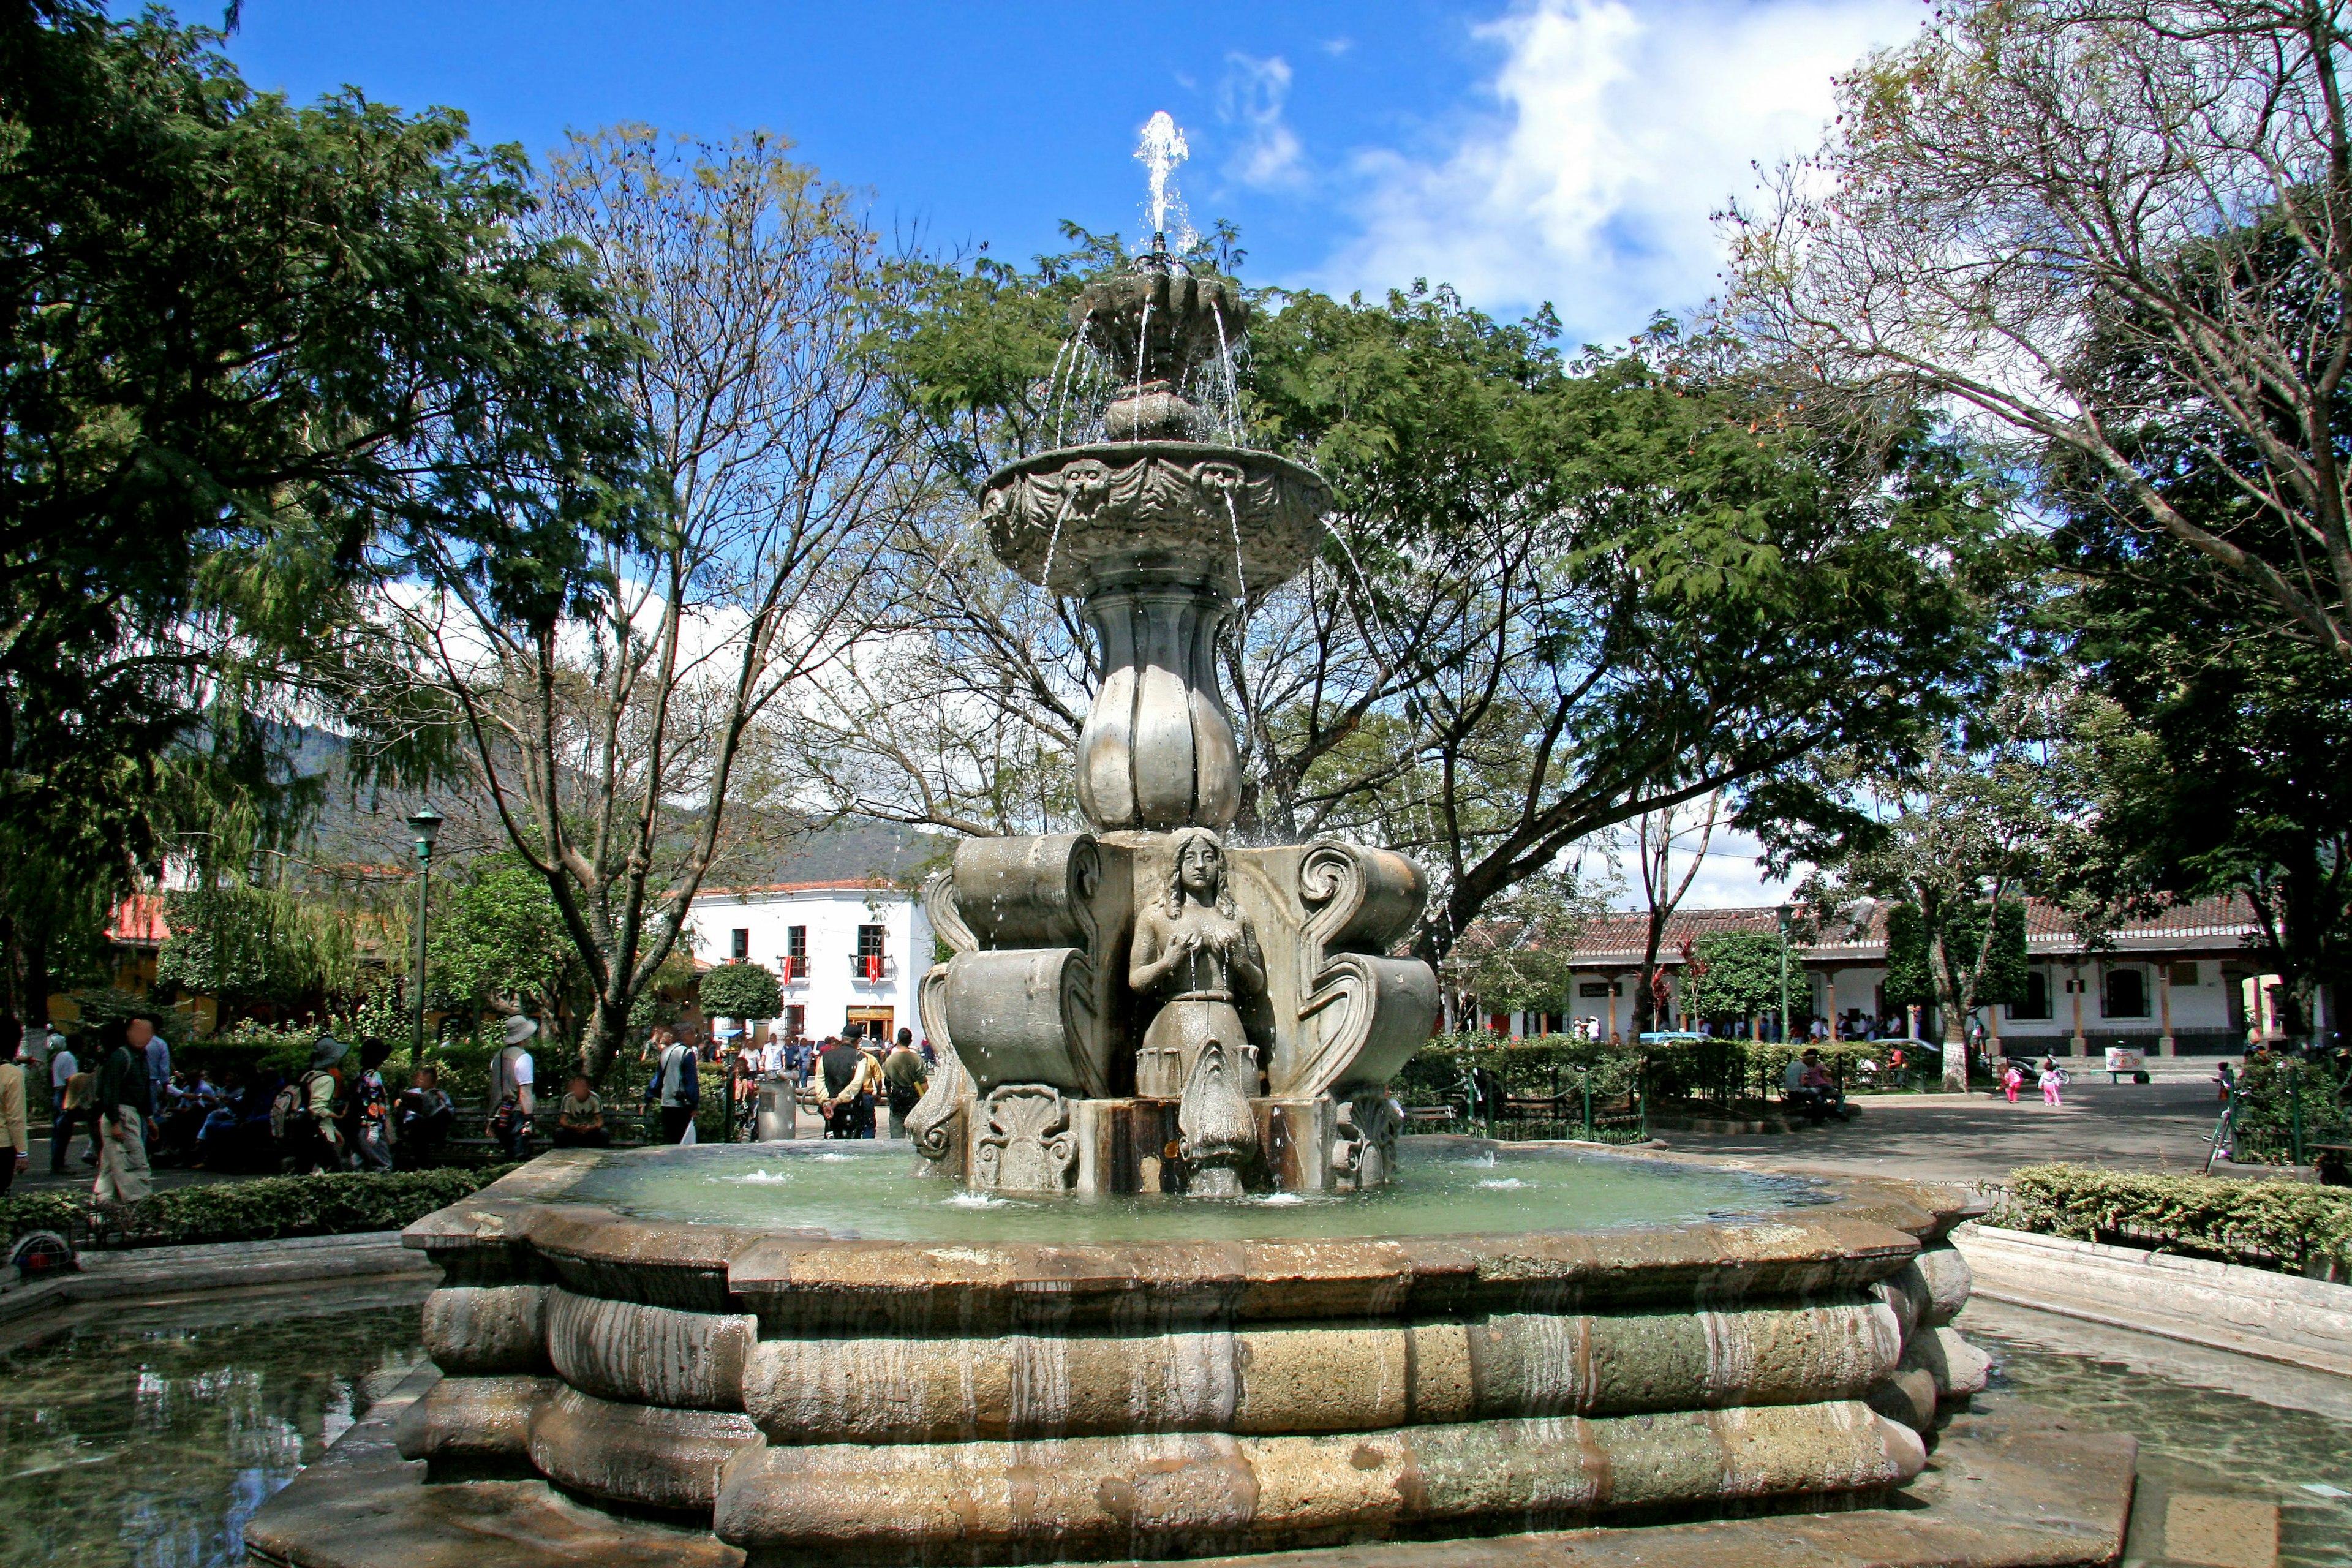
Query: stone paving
{"x": 2159, "y": 1126}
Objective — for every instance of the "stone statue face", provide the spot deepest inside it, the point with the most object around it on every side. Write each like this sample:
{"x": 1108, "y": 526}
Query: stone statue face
{"x": 1200, "y": 868}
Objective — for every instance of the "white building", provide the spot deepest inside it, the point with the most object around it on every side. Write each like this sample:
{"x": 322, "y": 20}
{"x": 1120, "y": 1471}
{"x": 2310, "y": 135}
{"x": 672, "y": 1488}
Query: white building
{"x": 2187, "y": 980}
{"x": 845, "y": 951}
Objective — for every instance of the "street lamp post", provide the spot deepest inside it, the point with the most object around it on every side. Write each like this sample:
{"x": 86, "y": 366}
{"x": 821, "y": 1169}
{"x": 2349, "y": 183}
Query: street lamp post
{"x": 1785, "y": 911}
{"x": 427, "y": 825}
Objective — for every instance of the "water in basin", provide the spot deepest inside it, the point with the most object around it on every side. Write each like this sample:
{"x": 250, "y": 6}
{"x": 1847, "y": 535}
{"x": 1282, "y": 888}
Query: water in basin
{"x": 856, "y": 1188}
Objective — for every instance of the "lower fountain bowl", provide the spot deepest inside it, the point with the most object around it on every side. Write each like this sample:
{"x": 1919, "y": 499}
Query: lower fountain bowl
{"x": 801, "y": 1349}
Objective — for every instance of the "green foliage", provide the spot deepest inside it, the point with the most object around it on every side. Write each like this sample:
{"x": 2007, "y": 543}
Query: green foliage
{"x": 740, "y": 990}
{"x": 336, "y": 1203}
{"x": 255, "y": 944}
{"x": 2291, "y": 1223}
{"x": 2281, "y": 1102}
{"x": 1742, "y": 978}
{"x": 1910, "y": 979}
{"x": 500, "y": 941}
{"x": 250, "y": 347}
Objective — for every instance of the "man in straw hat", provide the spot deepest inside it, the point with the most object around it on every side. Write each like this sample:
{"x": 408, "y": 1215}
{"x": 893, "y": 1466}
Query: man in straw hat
{"x": 511, "y": 1079}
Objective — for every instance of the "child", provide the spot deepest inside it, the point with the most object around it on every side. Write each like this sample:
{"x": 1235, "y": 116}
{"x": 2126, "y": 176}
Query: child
{"x": 2009, "y": 1081}
{"x": 580, "y": 1117}
{"x": 2051, "y": 1079}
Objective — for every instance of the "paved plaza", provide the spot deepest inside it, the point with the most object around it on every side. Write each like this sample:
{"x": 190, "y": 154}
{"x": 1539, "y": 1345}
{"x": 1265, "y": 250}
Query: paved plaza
{"x": 2159, "y": 1126}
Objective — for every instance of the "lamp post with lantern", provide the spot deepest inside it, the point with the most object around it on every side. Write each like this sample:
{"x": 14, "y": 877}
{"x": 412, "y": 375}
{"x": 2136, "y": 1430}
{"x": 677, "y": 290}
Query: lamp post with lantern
{"x": 427, "y": 825}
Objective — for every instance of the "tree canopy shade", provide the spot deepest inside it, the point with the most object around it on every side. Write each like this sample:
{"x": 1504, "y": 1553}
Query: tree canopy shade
{"x": 1925, "y": 962}
{"x": 253, "y": 944}
{"x": 242, "y": 345}
{"x": 741, "y": 990}
{"x": 2079, "y": 217}
{"x": 498, "y": 944}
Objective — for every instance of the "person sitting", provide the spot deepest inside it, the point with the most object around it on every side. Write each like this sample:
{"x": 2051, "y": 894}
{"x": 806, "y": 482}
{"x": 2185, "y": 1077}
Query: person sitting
{"x": 579, "y": 1117}
{"x": 425, "y": 1118}
{"x": 1808, "y": 1089}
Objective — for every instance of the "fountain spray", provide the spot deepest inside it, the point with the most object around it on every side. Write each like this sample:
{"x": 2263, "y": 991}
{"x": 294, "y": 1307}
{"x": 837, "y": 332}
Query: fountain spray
{"x": 1161, "y": 148}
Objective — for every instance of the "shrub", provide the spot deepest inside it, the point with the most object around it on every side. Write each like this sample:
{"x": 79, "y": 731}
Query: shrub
{"x": 742, "y": 990}
{"x": 2289, "y": 1224}
{"x": 340, "y": 1203}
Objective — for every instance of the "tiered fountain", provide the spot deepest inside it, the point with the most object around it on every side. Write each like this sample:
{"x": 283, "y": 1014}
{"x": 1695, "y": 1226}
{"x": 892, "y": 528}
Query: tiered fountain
{"x": 1158, "y": 1283}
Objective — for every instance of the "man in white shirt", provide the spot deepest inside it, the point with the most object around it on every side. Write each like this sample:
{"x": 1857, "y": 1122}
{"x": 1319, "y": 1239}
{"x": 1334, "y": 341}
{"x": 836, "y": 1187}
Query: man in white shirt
{"x": 771, "y": 1058}
{"x": 62, "y": 1066}
{"x": 512, "y": 1073}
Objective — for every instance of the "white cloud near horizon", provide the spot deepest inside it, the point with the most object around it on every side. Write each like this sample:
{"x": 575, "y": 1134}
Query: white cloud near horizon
{"x": 1615, "y": 133}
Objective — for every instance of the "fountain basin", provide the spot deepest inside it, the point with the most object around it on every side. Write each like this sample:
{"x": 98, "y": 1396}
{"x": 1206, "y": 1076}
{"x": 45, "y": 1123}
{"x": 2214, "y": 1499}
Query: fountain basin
{"x": 842, "y": 1358}
{"x": 1078, "y": 518}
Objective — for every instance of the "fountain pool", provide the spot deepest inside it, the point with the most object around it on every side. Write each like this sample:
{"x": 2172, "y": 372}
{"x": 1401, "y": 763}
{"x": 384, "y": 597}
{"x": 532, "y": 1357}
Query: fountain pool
{"x": 857, "y": 1190}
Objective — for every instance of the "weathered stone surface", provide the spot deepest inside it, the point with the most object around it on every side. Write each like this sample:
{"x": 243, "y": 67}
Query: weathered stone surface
{"x": 649, "y": 1356}
{"x": 1538, "y": 1364}
{"x": 482, "y": 1329}
{"x": 2008, "y": 1488}
{"x": 1349, "y": 1375}
{"x": 1958, "y": 1368}
{"x": 1908, "y": 1397}
{"x": 1947, "y": 1276}
{"x": 636, "y": 1453}
{"x": 472, "y": 1418}
{"x": 1188, "y": 1494}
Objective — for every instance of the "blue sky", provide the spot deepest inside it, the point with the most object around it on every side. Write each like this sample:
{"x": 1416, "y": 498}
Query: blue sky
{"x": 1569, "y": 151}
{"x": 1524, "y": 150}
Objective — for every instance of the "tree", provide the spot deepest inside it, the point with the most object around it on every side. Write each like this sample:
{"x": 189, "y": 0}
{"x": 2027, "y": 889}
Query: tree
{"x": 2035, "y": 192}
{"x": 1923, "y": 971}
{"x": 620, "y": 710}
{"x": 1736, "y": 976}
{"x": 245, "y": 943}
{"x": 2219, "y": 767}
{"x": 1655, "y": 836}
{"x": 1990, "y": 814}
{"x": 247, "y": 344}
{"x": 1557, "y": 594}
{"x": 499, "y": 944}
{"x": 742, "y": 990}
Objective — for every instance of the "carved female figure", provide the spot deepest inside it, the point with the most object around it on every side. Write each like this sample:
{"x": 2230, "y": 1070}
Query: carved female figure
{"x": 1194, "y": 949}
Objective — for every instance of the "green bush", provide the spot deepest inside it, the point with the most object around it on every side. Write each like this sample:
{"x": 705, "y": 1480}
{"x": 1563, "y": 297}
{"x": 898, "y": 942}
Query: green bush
{"x": 340, "y": 1203}
{"x": 2289, "y": 1224}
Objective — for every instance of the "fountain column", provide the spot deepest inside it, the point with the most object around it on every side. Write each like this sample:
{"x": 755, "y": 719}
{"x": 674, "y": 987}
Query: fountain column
{"x": 1157, "y": 751}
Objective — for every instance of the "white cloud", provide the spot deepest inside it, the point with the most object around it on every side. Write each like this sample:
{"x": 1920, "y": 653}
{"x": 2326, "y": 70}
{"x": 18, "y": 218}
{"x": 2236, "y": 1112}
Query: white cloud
{"x": 1617, "y": 132}
{"x": 1250, "y": 98}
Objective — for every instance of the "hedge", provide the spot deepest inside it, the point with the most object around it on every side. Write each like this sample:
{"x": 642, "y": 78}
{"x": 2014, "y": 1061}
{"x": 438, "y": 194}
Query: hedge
{"x": 2291, "y": 1224}
{"x": 337, "y": 1203}
{"x": 1719, "y": 1070}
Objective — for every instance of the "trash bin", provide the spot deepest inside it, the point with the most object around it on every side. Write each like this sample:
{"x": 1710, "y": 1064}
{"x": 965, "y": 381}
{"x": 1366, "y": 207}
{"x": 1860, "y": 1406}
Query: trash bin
{"x": 774, "y": 1120}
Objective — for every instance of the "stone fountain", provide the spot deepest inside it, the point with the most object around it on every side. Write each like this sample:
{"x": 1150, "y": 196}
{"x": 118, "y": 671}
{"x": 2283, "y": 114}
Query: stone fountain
{"x": 1163, "y": 1282}
{"x": 1144, "y": 1008}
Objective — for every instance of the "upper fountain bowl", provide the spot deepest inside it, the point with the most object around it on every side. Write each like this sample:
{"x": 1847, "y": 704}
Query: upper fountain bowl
{"x": 1156, "y": 324}
{"x": 1080, "y": 518}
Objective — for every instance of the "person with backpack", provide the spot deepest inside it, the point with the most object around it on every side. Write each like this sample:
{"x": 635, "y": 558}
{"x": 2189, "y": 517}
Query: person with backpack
{"x": 124, "y": 1105}
{"x": 676, "y": 1090}
{"x": 306, "y": 1115}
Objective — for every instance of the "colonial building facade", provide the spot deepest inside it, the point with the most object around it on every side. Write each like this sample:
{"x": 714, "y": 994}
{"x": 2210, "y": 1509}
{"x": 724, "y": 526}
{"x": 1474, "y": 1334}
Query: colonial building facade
{"x": 845, "y": 951}
{"x": 2188, "y": 980}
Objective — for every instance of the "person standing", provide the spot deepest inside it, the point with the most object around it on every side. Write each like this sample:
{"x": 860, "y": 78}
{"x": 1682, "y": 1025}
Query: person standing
{"x": 314, "y": 1135}
{"x": 678, "y": 1086}
{"x": 511, "y": 1080}
{"x": 2052, "y": 1077}
{"x": 845, "y": 1070}
{"x": 369, "y": 1128}
{"x": 902, "y": 1081}
{"x": 18, "y": 1157}
{"x": 63, "y": 1112}
{"x": 122, "y": 1109}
